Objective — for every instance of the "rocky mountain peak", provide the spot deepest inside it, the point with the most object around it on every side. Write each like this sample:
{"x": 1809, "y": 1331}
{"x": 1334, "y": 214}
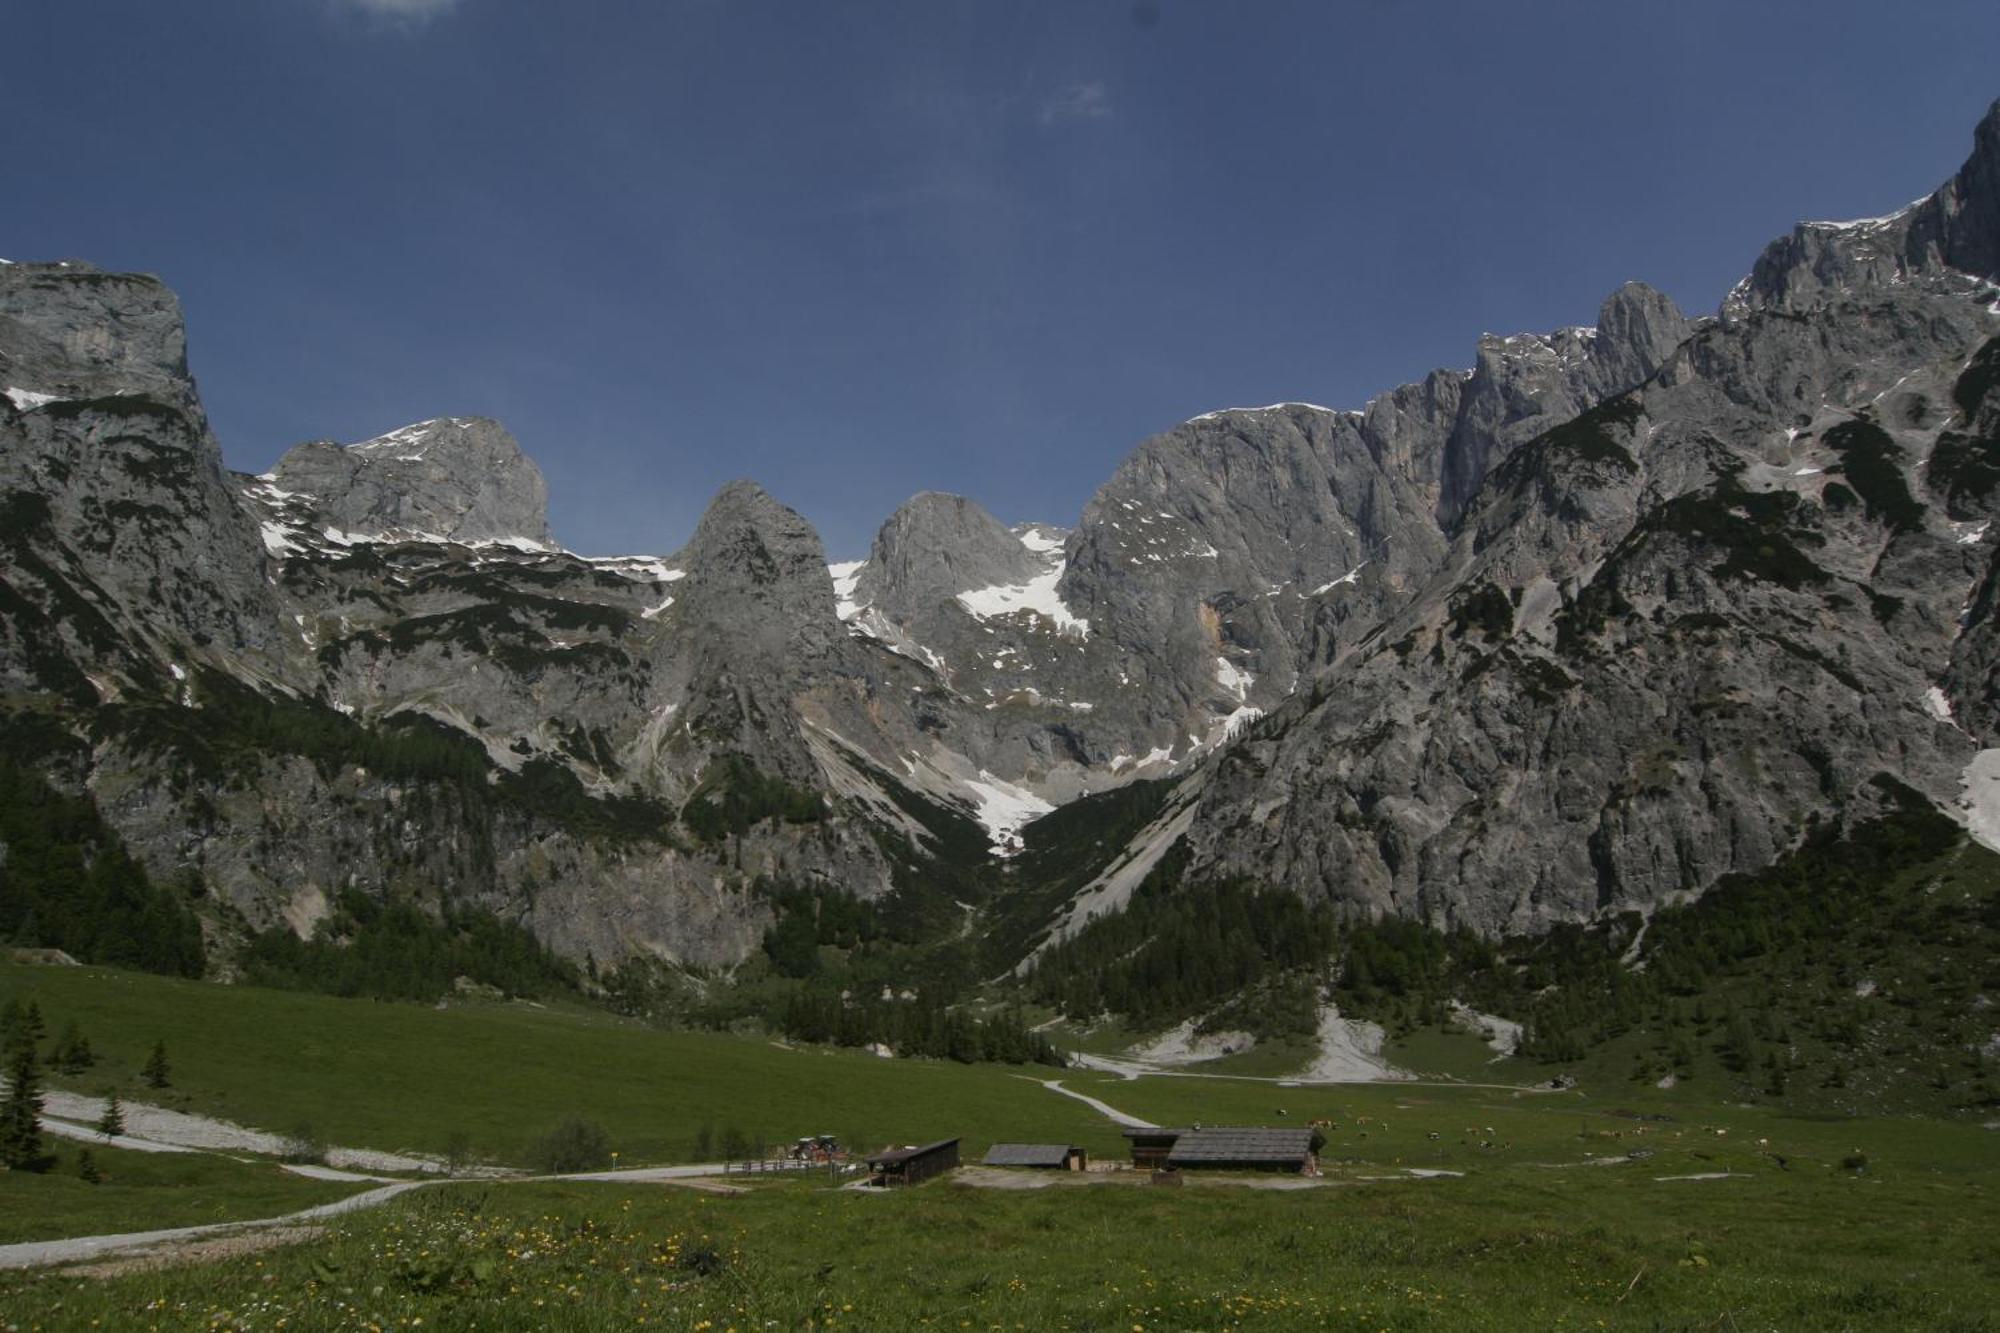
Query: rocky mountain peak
{"x": 1638, "y": 327}
{"x": 72, "y": 330}
{"x": 1947, "y": 237}
{"x": 752, "y": 554}
{"x": 933, "y": 548}
{"x": 459, "y": 478}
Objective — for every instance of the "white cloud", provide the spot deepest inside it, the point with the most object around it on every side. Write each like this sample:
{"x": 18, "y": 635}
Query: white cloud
{"x": 406, "y": 13}
{"x": 1079, "y": 101}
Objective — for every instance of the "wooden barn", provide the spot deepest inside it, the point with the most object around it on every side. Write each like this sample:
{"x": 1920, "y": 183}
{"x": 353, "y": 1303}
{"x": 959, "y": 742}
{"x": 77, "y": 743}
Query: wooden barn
{"x": 1226, "y": 1149}
{"x": 1151, "y": 1145}
{"x": 910, "y": 1166}
{"x": 1046, "y": 1156}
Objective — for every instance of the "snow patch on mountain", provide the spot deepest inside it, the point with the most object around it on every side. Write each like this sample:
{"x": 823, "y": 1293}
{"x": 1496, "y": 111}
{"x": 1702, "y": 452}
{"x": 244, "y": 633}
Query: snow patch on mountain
{"x": 1038, "y": 595}
{"x": 1003, "y": 809}
{"x": 845, "y": 575}
{"x": 1351, "y": 576}
{"x": 27, "y": 400}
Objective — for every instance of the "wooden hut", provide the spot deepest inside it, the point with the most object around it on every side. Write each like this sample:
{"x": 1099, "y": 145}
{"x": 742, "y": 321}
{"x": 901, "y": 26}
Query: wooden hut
{"x": 1226, "y": 1149}
{"x": 1151, "y": 1145}
{"x": 910, "y": 1166}
{"x": 1045, "y": 1156}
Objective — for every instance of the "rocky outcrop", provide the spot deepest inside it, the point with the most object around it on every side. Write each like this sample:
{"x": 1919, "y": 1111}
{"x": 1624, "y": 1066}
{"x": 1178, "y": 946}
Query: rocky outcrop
{"x": 1944, "y": 241}
{"x": 461, "y": 479}
{"x": 934, "y": 548}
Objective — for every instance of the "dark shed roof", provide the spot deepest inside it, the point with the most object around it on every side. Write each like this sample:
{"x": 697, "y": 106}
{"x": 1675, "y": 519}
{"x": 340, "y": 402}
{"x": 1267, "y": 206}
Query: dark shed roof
{"x": 1155, "y": 1132}
{"x": 897, "y": 1156}
{"x": 1219, "y": 1146}
{"x": 1030, "y": 1154}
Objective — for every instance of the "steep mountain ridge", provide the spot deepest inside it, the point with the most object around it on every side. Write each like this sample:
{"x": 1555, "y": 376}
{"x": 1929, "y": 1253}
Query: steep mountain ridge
{"x": 1614, "y": 612}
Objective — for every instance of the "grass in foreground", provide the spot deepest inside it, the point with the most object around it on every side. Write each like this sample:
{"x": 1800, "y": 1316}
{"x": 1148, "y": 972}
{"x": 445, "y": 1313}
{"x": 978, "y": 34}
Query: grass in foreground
{"x": 1500, "y": 1250}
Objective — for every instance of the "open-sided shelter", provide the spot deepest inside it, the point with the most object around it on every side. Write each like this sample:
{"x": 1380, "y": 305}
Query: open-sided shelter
{"x": 908, "y": 1166}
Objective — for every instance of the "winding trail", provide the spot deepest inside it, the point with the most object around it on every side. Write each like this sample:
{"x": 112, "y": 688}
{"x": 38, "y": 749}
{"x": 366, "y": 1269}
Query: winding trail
{"x": 35, "y": 1253}
{"x": 1104, "y": 1109}
{"x": 38, "y": 1253}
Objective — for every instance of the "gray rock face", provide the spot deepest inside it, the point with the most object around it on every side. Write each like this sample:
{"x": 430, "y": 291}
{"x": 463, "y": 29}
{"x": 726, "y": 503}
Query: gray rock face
{"x": 1526, "y": 384}
{"x": 932, "y": 549}
{"x": 127, "y": 554}
{"x": 460, "y": 478}
{"x": 1943, "y": 241}
{"x": 1660, "y": 650}
{"x": 72, "y": 330}
{"x": 752, "y": 624}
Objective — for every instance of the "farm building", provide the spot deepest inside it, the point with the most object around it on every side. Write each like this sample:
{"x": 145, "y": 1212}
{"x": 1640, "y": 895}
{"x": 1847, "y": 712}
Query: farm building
{"x": 1048, "y": 1156}
{"x": 1150, "y": 1146}
{"x": 1244, "y": 1149}
{"x": 910, "y": 1166}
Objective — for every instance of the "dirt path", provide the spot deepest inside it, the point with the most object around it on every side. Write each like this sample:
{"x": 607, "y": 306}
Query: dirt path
{"x": 151, "y": 1128}
{"x": 1104, "y": 1109}
{"x": 36, "y": 1253}
{"x": 191, "y": 1244}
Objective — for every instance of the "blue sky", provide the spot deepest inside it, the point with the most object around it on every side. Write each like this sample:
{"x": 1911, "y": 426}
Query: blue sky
{"x": 857, "y": 250}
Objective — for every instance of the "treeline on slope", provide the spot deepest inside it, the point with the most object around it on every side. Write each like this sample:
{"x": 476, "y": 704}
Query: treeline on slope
{"x": 1858, "y": 955}
{"x": 397, "y": 951}
{"x": 1064, "y": 850}
{"x": 889, "y": 974}
{"x": 67, "y": 881}
{"x": 834, "y": 968}
{"x": 1847, "y": 974}
{"x": 1178, "y": 950}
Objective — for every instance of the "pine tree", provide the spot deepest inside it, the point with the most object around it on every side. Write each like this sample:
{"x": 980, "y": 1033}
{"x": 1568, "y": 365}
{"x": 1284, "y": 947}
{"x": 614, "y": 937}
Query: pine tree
{"x": 21, "y": 1113}
{"x": 21, "y": 1025}
{"x": 86, "y": 1167}
{"x": 112, "y": 1123}
{"x": 73, "y": 1054}
{"x": 156, "y": 1071}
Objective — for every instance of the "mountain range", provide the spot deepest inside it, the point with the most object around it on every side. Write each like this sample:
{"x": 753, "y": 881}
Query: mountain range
{"x": 1578, "y": 631}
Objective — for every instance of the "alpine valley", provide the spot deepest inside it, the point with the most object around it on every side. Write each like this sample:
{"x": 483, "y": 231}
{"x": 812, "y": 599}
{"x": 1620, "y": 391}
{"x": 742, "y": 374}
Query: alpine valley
{"x": 1538, "y": 656}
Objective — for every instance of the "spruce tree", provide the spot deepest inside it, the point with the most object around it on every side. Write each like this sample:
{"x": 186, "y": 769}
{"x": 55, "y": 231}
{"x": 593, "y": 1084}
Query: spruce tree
{"x": 86, "y": 1167}
{"x": 156, "y": 1071}
{"x": 73, "y": 1054}
{"x": 112, "y": 1123}
{"x": 20, "y": 1025}
{"x": 21, "y": 1113}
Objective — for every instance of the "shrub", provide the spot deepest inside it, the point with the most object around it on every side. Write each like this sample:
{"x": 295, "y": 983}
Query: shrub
{"x": 573, "y": 1144}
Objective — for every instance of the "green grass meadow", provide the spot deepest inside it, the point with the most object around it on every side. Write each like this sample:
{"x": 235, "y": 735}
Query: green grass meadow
{"x": 1564, "y": 1212}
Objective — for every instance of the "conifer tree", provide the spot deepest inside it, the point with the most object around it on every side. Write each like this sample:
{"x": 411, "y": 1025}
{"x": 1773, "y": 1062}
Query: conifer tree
{"x": 21, "y": 1113}
{"x": 112, "y": 1123}
{"x": 86, "y": 1167}
{"x": 73, "y": 1054}
{"x": 156, "y": 1071}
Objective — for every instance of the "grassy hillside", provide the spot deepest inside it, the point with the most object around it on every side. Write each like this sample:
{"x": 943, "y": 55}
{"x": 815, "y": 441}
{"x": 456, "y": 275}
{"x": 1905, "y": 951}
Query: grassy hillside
{"x": 407, "y": 1077}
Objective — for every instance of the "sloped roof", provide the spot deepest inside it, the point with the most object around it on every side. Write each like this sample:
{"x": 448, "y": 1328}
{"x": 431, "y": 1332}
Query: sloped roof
{"x": 897, "y": 1156}
{"x": 1222, "y": 1145}
{"x": 1029, "y": 1154}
